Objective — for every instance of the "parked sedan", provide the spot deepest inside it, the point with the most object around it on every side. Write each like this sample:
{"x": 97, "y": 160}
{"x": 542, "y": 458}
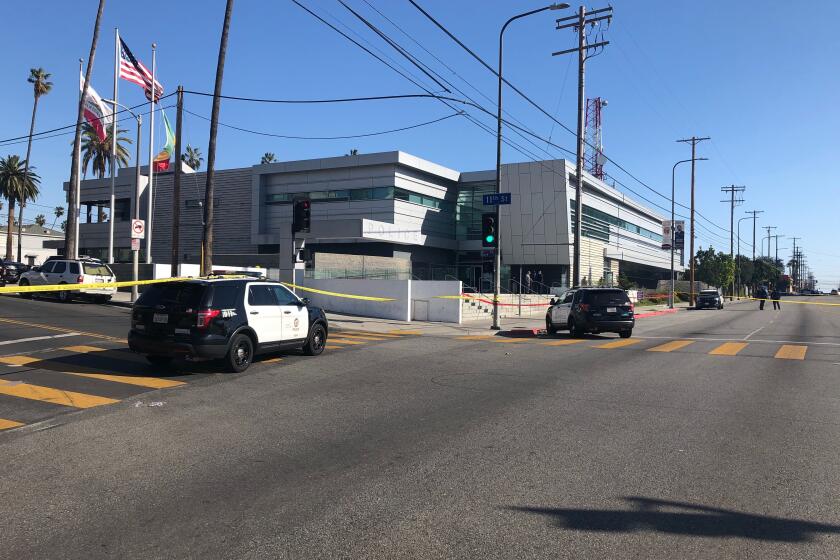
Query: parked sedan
{"x": 11, "y": 271}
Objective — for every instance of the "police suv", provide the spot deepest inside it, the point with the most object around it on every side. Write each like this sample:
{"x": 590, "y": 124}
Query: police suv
{"x": 228, "y": 319}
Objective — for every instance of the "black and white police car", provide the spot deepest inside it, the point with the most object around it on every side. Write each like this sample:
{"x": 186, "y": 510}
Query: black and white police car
{"x": 228, "y": 319}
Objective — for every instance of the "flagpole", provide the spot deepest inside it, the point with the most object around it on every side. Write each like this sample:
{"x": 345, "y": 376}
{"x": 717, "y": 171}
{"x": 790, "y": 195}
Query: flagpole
{"x": 78, "y": 185}
{"x": 114, "y": 146}
{"x": 149, "y": 207}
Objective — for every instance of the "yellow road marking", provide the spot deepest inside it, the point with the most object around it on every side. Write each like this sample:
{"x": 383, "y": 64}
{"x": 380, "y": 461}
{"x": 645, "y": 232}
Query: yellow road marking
{"x": 83, "y": 349}
{"x": 344, "y": 341}
{"x": 59, "y": 329}
{"x": 17, "y": 360}
{"x": 153, "y": 382}
{"x": 729, "y": 349}
{"x": 361, "y": 336}
{"x": 618, "y": 343}
{"x": 403, "y": 332}
{"x": 791, "y": 352}
{"x": 476, "y": 337}
{"x": 564, "y": 342}
{"x": 671, "y": 346}
{"x": 50, "y": 395}
{"x": 370, "y": 333}
{"x": 6, "y": 424}
{"x": 271, "y": 361}
{"x": 504, "y": 339}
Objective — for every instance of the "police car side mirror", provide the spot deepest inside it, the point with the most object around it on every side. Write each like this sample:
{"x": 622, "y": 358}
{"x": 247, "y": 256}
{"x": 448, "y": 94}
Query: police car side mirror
{"x": 553, "y": 302}
{"x": 305, "y": 301}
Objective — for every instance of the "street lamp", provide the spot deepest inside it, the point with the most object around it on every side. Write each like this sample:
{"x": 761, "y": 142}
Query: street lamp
{"x": 673, "y": 171}
{"x": 135, "y": 254}
{"x": 498, "y": 260}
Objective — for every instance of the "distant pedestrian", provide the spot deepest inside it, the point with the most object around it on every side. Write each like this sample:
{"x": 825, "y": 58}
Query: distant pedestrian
{"x": 528, "y": 281}
{"x": 761, "y": 294}
{"x": 775, "y": 297}
{"x": 538, "y": 278}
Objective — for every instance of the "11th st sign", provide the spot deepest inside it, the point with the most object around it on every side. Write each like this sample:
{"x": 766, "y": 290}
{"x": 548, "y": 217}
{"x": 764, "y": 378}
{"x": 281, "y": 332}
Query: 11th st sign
{"x": 495, "y": 199}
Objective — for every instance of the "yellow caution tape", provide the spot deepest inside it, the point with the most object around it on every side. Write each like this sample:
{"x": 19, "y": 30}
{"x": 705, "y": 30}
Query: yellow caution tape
{"x": 336, "y": 294}
{"x": 89, "y": 286}
{"x": 795, "y": 301}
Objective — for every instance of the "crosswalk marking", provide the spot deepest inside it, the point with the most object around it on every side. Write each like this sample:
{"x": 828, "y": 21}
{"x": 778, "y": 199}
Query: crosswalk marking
{"x": 729, "y": 349}
{"x": 476, "y": 337}
{"x": 370, "y": 333}
{"x": 271, "y": 361}
{"x": 619, "y": 343}
{"x": 344, "y": 340}
{"x": 82, "y": 349}
{"x": 361, "y": 336}
{"x": 17, "y": 360}
{"x": 671, "y": 346}
{"x": 405, "y": 332}
{"x": 152, "y": 382}
{"x": 50, "y": 395}
{"x": 564, "y": 342}
{"x": 791, "y": 352}
{"x": 7, "y": 424}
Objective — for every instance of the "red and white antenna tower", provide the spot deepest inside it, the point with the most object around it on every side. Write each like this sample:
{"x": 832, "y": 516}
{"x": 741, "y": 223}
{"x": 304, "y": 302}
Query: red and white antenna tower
{"x": 593, "y": 158}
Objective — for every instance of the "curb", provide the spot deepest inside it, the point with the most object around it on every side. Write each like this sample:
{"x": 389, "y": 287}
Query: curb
{"x": 523, "y": 333}
{"x": 655, "y": 313}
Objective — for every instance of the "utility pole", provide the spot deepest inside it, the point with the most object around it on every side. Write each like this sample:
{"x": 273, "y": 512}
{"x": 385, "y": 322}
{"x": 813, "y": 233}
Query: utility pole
{"x": 793, "y": 262}
{"x": 176, "y": 185}
{"x": 768, "y": 228}
{"x": 693, "y": 141}
{"x": 755, "y": 214}
{"x": 776, "y": 237}
{"x": 732, "y": 190}
{"x": 579, "y": 23}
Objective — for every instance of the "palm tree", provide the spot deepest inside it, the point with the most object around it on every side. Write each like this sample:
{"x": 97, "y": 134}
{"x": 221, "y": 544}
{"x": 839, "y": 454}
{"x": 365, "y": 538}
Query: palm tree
{"x": 59, "y": 212}
{"x": 40, "y": 220}
{"x": 268, "y": 157}
{"x": 209, "y": 187}
{"x": 192, "y": 157}
{"x": 16, "y": 183}
{"x": 96, "y": 152}
{"x": 353, "y": 152}
{"x": 70, "y": 248}
{"x": 41, "y": 85}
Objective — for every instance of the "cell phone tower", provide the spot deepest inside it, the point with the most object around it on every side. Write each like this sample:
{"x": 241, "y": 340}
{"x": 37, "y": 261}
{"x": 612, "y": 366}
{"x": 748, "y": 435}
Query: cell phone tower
{"x": 594, "y": 148}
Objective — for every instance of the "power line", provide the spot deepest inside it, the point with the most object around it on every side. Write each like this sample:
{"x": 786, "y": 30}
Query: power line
{"x": 365, "y": 135}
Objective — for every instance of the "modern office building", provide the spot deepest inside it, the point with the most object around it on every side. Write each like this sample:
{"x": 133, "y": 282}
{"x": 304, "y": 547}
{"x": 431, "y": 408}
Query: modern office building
{"x": 391, "y": 213}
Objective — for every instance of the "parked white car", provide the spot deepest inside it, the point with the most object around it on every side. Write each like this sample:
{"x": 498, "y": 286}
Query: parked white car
{"x": 72, "y": 271}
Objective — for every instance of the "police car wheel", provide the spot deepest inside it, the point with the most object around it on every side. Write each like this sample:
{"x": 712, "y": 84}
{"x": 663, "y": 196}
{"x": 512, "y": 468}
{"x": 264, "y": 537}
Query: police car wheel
{"x": 316, "y": 341}
{"x": 240, "y": 354}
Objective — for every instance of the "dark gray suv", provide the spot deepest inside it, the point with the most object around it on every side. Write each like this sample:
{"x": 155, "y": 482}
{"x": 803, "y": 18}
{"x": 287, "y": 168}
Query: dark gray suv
{"x": 594, "y": 310}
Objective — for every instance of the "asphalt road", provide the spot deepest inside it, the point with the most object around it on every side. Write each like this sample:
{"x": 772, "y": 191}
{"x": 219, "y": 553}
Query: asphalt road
{"x": 710, "y": 434}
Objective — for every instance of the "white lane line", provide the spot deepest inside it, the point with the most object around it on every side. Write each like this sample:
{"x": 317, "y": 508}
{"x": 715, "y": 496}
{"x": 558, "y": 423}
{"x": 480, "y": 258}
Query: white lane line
{"x": 759, "y": 329}
{"x": 36, "y": 338}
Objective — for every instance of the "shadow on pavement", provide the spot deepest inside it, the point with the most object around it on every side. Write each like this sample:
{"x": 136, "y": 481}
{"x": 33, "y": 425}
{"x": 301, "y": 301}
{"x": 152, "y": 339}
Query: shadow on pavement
{"x": 698, "y": 521}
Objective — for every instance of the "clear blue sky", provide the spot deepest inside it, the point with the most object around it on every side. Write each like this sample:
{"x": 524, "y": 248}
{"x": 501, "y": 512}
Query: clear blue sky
{"x": 760, "y": 78}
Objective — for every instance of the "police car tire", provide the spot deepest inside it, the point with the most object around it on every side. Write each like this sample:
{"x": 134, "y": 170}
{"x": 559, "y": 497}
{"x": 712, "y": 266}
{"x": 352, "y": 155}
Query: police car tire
{"x": 549, "y": 326}
{"x": 316, "y": 341}
{"x": 233, "y": 361}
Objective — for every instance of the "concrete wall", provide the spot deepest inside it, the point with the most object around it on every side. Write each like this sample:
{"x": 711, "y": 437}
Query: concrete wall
{"x": 399, "y": 290}
{"x": 425, "y": 306}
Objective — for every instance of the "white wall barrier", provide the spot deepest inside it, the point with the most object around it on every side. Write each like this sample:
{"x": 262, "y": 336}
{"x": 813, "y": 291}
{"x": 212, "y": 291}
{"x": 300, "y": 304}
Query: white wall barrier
{"x": 412, "y": 299}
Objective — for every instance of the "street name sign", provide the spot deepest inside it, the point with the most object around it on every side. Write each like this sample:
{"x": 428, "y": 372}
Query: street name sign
{"x": 496, "y": 198}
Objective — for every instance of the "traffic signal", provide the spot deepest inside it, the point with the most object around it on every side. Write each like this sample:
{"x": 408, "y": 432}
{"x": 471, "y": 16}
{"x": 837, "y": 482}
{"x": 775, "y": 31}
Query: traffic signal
{"x": 489, "y": 231}
{"x": 301, "y": 218}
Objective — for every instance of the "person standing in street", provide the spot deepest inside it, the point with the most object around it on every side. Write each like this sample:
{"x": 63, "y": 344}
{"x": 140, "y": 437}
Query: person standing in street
{"x": 775, "y": 295}
{"x": 538, "y": 278}
{"x": 528, "y": 282}
{"x": 761, "y": 294}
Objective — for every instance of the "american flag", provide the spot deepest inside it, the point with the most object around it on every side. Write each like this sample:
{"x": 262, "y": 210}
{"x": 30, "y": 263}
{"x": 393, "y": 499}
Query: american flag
{"x": 134, "y": 71}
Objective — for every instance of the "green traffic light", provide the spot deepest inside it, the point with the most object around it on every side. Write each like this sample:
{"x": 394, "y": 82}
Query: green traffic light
{"x": 490, "y": 238}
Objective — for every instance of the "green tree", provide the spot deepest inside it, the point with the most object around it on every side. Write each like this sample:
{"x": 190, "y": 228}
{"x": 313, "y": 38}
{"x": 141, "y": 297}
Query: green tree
{"x": 192, "y": 157}
{"x": 268, "y": 157}
{"x": 765, "y": 271}
{"x": 64, "y": 225}
{"x": 41, "y": 85}
{"x": 96, "y": 152}
{"x": 714, "y": 268}
{"x": 59, "y": 212}
{"x": 16, "y": 184}
{"x": 40, "y": 219}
